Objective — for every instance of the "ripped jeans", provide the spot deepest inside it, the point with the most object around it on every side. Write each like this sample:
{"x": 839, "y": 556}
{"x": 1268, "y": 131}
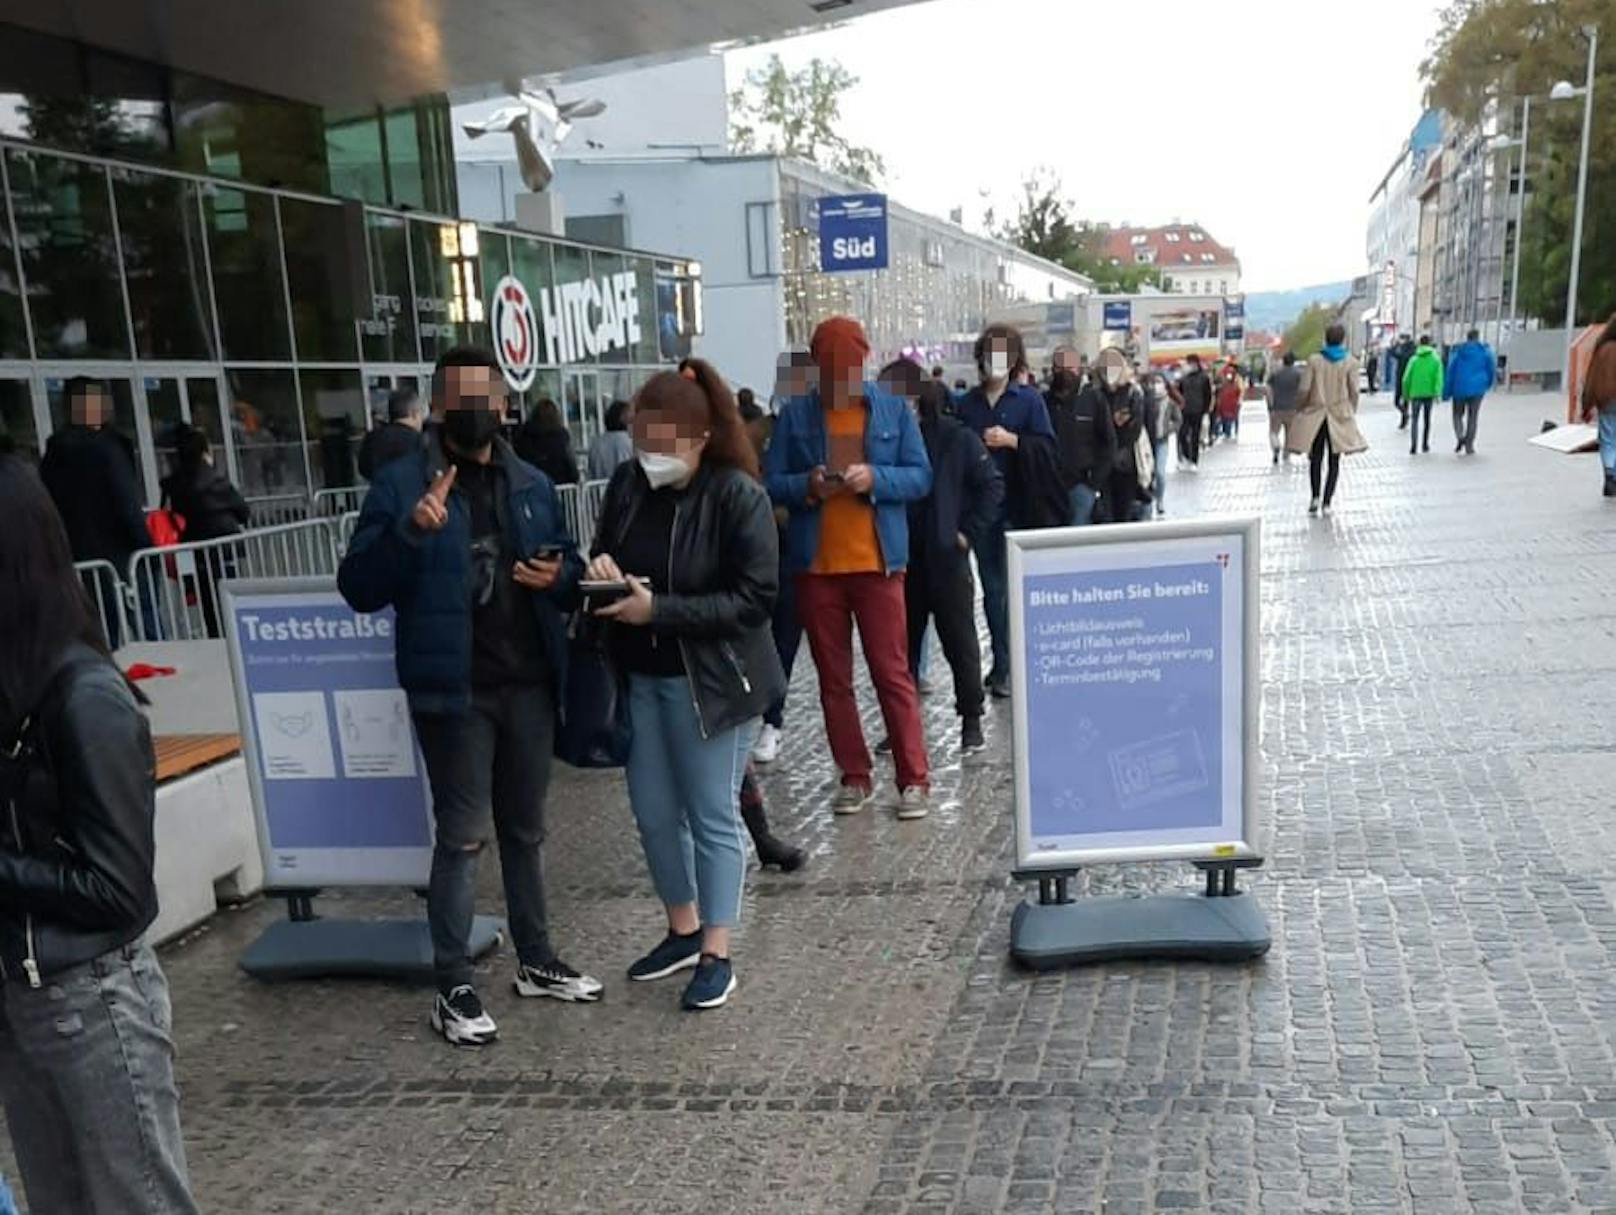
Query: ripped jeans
{"x": 87, "y": 1078}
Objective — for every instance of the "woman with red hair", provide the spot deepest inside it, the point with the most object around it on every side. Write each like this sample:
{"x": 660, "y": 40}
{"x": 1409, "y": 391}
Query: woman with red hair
{"x": 687, "y": 533}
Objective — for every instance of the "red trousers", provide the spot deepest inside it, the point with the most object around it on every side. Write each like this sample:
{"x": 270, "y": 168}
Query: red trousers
{"x": 828, "y": 604}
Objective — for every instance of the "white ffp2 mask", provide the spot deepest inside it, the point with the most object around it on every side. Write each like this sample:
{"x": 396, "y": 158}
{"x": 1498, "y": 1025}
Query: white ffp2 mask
{"x": 661, "y": 470}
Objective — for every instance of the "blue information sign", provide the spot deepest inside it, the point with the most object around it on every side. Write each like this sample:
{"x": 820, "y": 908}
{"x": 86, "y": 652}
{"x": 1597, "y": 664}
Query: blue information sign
{"x": 1234, "y": 320}
{"x": 338, "y": 785}
{"x": 1119, "y": 315}
{"x": 853, "y": 232}
{"x": 1135, "y": 696}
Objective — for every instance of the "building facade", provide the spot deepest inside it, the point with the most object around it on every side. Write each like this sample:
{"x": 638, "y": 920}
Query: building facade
{"x": 751, "y": 224}
{"x": 269, "y": 271}
{"x": 1392, "y": 244}
{"x": 1190, "y": 261}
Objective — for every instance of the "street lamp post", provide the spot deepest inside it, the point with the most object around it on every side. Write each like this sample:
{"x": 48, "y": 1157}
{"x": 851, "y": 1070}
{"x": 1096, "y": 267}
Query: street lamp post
{"x": 1520, "y": 217}
{"x": 1561, "y": 92}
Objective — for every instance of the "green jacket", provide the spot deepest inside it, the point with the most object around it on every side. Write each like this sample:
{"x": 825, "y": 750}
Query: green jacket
{"x": 1422, "y": 378}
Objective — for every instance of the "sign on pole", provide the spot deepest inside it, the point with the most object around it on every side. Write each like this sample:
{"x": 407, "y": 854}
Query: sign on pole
{"x": 853, "y": 232}
{"x": 1136, "y": 692}
{"x": 339, "y": 790}
{"x": 1118, "y": 315}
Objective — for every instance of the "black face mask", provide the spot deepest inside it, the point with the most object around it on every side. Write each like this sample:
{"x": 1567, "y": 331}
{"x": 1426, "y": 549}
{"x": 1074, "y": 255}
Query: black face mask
{"x": 470, "y": 430}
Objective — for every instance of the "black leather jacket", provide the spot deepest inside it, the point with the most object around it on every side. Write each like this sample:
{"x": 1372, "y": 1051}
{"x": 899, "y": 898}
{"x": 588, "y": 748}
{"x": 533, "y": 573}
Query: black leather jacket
{"x": 78, "y": 797}
{"x": 725, "y": 575}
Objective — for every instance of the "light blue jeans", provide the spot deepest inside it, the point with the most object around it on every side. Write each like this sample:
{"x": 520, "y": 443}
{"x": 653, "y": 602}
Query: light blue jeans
{"x": 685, "y": 791}
{"x": 1084, "y": 500}
{"x": 1607, "y": 439}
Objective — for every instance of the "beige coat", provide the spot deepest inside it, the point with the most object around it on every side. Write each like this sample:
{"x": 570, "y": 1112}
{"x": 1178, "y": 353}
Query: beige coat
{"x": 1328, "y": 394}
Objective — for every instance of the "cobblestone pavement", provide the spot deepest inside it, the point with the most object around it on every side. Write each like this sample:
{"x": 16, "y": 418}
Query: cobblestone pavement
{"x": 1434, "y": 1030}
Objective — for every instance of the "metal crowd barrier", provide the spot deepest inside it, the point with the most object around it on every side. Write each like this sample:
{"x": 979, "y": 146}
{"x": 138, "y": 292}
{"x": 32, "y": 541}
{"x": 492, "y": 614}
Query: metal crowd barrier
{"x": 580, "y": 509}
{"x": 276, "y": 510}
{"x": 171, "y": 593}
{"x": 105, "y": 589}
{"x": 342, "y": 530}
{"x": 330, "y": 503}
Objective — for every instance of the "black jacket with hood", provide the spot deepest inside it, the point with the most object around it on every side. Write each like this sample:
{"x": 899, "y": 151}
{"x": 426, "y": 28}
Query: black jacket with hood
{"x": 1084, "y": 430}
{"x": 966, "y": 491}
{"x": 91, "y": 477}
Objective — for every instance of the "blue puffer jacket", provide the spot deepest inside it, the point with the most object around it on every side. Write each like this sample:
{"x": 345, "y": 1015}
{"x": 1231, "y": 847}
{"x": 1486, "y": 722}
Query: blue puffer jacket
{"x": 894, "y": 451}
{"x": 425, "y": 577}
{"x": 1472, "y": 371}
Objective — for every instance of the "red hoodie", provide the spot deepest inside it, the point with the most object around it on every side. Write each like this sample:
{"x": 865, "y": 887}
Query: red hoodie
{"x": 1228, "y": 402}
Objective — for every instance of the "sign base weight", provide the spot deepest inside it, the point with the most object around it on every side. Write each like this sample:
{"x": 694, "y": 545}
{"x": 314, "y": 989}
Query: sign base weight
{"x": 1047, "y": 936}
{"x": 372, "y": 949}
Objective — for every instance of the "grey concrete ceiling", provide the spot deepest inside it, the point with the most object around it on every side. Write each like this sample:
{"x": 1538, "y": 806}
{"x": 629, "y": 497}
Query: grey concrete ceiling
{"x": 352, "y": 52}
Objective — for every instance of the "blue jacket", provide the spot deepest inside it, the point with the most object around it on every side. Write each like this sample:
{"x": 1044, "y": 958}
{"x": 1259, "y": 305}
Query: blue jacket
{"x": 425, "y": 577}
{"x": 892, "y": 448}
{"x": 1472, "y": 371}
{"x": 1021, "y": 410}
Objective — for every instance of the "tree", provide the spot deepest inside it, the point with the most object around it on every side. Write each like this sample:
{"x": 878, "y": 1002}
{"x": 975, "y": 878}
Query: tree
{"x": 1508, "y": 49}
{"x": 797, "y": 114}
{"x": 1043, "y": 225}
{"x": 1305, "y": 337}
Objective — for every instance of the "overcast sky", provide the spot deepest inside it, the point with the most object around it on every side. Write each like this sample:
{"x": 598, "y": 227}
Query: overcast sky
{"x": 1268, "y": 127}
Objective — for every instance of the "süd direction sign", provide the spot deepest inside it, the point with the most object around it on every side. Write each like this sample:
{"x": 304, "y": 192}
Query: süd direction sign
{"x": 853, "y": 232}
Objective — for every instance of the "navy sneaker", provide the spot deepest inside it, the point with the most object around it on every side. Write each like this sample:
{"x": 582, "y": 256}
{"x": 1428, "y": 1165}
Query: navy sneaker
{"x": 675, "y": 953}
{"x": 711, "y": 985}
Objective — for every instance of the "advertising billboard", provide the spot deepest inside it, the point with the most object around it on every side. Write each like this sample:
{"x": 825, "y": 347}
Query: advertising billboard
{"x": 1177, "y": 333}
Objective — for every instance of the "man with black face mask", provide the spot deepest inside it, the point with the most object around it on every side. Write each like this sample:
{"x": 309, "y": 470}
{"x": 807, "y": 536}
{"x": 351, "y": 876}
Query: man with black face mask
{"x": 467, "y": 544}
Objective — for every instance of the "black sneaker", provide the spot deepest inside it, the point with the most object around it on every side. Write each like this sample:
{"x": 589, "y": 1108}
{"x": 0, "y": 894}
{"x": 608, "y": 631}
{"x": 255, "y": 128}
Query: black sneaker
{"x": 459, "y": 1017}
{"x": 674, "y": 954}
{"x": 711, "y": 986}
{"x": 999, "y": 687}
{"x": 884, "y": 747}
{"x": 971, "y": 740}
{"x": 559, "y": 981}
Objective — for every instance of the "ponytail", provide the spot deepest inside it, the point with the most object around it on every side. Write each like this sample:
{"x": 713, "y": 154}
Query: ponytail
{"x": 727, "y": 441}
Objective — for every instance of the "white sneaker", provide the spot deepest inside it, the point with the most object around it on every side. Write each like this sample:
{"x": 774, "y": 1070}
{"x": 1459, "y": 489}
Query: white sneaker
{"x": 1313, "y": 507}
{"x": 767, "y": 748}
{"x": 1328, "y": 509}
{"x": 558, "y": 981}
{"x": 850, "y": 799}
{"x": 460, "y": 1018}
{"x": 914, "y": 803}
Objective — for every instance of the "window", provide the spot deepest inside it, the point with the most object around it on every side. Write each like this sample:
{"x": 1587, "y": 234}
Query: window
{"x": 1138, "y": 239}
{"x": 387, "y": 334}
{"x": 1167, "y": 284}
{"x": 69, "y": 258}
{"x": 170, "y": 298}
{"x": 247, "y": 274}
{"x": 353, "y": 152}
{"x": 1197, "y": 235}
{"x": 1174, "y": 237}
{"x": 268, "y": 435}
{"x": 1208, "y": 257}
{"x": 334, "y": 423}
{"x": 323, "y": 270}
{"x": 439, "y": 273}
{"x": 1145, "y": 257}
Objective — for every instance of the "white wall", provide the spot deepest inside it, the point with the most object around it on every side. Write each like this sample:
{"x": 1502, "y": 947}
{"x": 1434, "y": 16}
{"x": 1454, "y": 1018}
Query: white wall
{"x": 698, "y": 209}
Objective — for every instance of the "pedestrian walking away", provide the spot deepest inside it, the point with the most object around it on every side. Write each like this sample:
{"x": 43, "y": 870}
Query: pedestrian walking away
{"x": 398, "y": 436}
{"x": 1281, "y": 392}
{"x": 1196, "y": 389}
{"x": 1163, "y": 407}
{"x": 1472, "y": 372}
{"x": 845, "y": 460}
{"x": 1127, "y": 492}
{"x": 687, "y": 536}
{"x": 1422, "y": 385}
{"x": 1326, "y": 423}
{"x": 86, "y": 1034}
{"x": 1228, "y": 404}
{"x": 612, "y": 446}
{"x": 211, "y": 509}
{"x": 1401, "y": 353}
{"x": 1599, "y": 401}
{"x": 544, "y": 442}
{"x": 1087, "y": 439}
{"x": 795, "y": 375}
{"x": 466, "y": 542}
{"x": 966, "y": 495}
{"x": 1002, "y": 413}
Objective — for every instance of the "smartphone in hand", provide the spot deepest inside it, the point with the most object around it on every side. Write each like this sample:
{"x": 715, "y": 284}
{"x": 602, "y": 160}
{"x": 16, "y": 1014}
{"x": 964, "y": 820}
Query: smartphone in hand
{"x": 601, "y": 593}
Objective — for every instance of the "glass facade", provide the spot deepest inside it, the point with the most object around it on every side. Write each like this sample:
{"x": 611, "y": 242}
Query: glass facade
{"x": 262, "y": 269}
{"x": 279, "y": 322}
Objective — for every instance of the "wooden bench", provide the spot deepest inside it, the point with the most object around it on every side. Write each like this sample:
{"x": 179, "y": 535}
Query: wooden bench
{"x": 181, "y": 754}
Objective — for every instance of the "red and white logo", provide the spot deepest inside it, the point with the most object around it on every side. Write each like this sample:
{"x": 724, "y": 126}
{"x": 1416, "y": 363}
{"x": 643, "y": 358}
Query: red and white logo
{"x": 516, "y": 333}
